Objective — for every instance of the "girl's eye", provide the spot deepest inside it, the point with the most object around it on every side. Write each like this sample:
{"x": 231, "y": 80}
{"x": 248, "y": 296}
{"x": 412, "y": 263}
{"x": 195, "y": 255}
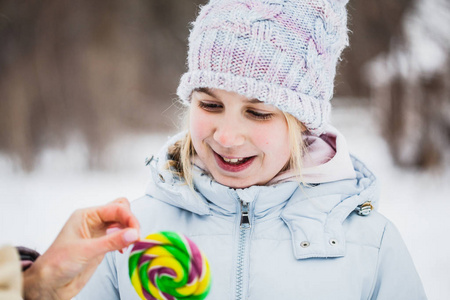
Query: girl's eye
{"x": 210, "y": 106}
{"x": 260, "y": 116}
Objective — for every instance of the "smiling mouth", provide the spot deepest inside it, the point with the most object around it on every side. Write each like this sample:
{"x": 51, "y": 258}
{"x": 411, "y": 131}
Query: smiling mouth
{"x": 235, "y": 161}
{"x": 233, "y": 164}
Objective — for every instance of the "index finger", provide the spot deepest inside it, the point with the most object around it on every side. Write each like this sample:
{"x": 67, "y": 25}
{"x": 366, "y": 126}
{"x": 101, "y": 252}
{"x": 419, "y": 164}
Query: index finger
{"x": 116, "y": 213}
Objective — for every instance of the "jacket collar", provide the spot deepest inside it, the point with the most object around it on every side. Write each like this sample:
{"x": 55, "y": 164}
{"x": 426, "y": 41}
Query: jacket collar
{"x": 264, "y": 201}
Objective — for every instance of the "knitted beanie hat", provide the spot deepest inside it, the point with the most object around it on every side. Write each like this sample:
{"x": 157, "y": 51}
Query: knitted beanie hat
{"x": 281, "y": 52}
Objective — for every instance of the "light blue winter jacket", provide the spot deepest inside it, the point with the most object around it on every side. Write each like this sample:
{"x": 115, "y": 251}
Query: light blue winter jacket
{"x": 303, "y": 242}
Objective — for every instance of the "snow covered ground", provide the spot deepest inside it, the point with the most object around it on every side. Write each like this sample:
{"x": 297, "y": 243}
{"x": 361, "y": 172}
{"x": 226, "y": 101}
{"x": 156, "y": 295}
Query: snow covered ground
{"x": 33, "y": 207}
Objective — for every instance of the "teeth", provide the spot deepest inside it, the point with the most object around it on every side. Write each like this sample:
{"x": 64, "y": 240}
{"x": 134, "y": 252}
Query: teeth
{"x": 232, "y": 160}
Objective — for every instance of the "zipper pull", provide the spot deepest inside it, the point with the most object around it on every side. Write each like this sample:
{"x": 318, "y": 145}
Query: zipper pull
{"x": 245, "y": 220}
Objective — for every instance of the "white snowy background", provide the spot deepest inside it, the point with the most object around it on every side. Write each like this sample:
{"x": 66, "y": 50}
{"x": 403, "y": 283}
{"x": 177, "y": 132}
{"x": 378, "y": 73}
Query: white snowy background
{"x": 33, "y": 207}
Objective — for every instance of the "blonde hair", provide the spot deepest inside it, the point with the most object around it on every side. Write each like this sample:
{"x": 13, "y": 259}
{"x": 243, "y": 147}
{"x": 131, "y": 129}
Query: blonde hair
{"x": 296, "y": 144}
{"x": 180, "y": 154}
{"x": 179, "y": 158}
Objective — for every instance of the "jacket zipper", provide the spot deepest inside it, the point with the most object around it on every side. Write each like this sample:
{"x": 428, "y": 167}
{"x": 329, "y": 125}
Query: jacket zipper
{"x": 244, "y": 227}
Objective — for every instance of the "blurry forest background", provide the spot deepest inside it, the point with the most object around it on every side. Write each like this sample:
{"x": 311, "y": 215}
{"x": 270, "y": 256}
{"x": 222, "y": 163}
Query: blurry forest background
{"x": 100, "y": 69}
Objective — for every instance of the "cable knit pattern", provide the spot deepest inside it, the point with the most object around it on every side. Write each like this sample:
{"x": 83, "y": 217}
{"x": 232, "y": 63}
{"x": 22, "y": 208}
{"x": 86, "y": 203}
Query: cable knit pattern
{"x": 282, "y": 52}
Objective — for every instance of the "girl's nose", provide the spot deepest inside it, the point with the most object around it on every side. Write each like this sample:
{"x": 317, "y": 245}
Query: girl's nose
{"x": 229, "y": 134}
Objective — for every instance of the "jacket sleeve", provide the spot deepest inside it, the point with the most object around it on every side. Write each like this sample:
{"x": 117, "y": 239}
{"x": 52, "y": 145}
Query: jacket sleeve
{"x": 10, "y": 274}
{"x": 396, "y": 276}
{"x": 103, "y": 283}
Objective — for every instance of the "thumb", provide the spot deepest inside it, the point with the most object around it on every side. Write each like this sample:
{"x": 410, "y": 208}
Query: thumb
{"x": 116, "y": 240}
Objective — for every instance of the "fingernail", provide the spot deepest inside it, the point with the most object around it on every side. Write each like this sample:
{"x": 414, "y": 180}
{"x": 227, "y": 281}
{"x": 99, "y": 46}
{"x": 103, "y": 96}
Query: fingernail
{"x": 130, "y": 235}
{"x": 112, "y": 230}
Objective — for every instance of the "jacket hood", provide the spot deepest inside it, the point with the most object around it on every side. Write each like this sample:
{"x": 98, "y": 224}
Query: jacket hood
{"x": 314, "y": 213}
{"x": 326, "y": 160}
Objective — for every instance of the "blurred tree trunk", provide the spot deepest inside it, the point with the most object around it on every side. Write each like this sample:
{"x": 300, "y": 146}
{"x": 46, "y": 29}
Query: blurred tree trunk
{"x": 372, "y": 25}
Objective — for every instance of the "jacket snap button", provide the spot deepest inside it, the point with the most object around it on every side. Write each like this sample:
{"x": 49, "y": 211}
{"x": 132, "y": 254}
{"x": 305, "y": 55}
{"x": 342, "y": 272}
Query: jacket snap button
{"x": 364, "y": 209}
{"x": 304, "y": 244}
{"x": 333, "y": 242}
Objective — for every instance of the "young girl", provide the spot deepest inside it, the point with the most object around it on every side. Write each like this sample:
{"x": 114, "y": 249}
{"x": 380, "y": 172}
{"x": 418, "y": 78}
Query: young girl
{"x": 260, "y": 181}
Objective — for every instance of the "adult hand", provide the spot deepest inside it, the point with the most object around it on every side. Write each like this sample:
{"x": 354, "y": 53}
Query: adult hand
{"x": 63, "y": 270}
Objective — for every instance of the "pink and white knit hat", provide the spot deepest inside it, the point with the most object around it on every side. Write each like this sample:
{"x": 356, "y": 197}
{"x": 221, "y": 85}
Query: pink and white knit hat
{"x": 281, "y": 52}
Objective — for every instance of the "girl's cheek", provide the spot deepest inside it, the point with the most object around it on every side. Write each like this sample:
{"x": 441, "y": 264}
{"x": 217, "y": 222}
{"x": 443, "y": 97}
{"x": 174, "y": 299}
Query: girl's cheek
{"x": 262, "y": 137}
{"x": 200, "y": 127}
{"x": 270, "y": 135}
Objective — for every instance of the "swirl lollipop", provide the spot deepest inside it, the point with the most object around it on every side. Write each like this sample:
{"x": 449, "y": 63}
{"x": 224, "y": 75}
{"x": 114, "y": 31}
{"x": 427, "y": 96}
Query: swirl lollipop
{"x": 169, "y": 266}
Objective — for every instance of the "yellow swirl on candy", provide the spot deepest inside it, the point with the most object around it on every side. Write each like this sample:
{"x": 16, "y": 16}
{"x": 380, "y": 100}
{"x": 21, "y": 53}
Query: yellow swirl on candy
{"x": 169, "y": 266}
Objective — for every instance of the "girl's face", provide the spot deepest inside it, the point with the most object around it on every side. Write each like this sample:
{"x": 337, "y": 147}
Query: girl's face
{"x": 241, "y": 141}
